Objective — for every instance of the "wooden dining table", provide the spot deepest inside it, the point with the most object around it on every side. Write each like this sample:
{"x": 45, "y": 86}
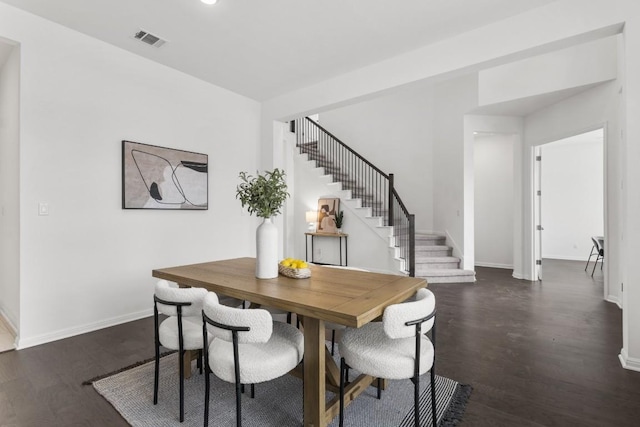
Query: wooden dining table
{"x": 348, "y": 297}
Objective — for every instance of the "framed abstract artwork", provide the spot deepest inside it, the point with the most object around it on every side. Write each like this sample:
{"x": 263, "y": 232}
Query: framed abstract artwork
{"x": 327, "y": 209}
{"x": 163, "y": 178}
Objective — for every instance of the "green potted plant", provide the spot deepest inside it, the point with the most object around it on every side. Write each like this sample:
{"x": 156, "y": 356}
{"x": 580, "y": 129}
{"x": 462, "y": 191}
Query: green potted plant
{"x": 338, "y": 220}
{"x": 264, "y": 195}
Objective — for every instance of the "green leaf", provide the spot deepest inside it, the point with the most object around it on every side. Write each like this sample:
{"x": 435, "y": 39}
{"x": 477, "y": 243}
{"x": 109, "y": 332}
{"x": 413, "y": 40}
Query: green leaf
{"x": 263, "y": 194}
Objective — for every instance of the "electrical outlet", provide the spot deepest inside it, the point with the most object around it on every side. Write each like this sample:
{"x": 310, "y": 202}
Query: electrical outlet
{"x": 43, "y": 208}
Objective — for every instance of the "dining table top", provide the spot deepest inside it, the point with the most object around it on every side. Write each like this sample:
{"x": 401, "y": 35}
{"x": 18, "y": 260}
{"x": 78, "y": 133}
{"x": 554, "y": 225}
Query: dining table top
{"x": 348, "y": 297}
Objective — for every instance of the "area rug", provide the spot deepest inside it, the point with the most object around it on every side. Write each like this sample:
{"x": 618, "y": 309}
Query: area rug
{"x": 276, "y": 403}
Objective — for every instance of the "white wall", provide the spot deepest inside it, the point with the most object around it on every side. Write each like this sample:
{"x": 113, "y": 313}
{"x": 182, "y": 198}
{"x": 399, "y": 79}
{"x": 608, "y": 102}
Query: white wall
{"x": 572, "y": 196}
{"x": 9, "y": 188}
{"x": 88, "y": 264}
{"x": 630, "y": 184}
{"x": 395, "y": 133}
{"x": 580, "y": 65}
{"x": 493, "y": 172}
{"x": 453, "y": 99}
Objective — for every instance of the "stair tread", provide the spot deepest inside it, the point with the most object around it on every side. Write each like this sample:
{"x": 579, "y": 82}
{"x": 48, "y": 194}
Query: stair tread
{"x": 445, "y": 272}
{"x": 437, "y": 259}
{"x": 433, "y": 247}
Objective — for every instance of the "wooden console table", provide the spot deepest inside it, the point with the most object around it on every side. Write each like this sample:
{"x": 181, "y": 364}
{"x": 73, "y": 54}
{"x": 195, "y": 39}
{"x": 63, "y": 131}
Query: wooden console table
{"x": 331, "y": 235}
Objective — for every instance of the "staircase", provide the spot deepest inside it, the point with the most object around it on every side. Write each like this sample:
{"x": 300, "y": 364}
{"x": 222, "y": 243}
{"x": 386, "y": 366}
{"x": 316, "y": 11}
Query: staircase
{"x": 371, "y": 193}
{"x": 435, "y": 263}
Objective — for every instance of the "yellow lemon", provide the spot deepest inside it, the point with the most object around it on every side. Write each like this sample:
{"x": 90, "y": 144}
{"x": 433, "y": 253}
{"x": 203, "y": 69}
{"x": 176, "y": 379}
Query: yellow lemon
{"x": 285, "y": 263}
{"x": 303, "y": 264}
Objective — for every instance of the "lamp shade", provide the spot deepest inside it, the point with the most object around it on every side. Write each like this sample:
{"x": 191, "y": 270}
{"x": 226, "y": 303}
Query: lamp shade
{"x": 311, "y": 216}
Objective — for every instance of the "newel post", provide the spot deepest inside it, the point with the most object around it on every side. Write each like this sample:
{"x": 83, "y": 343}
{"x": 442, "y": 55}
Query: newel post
{"x": 390, "y": 201}
{"x": 412, "y": 245}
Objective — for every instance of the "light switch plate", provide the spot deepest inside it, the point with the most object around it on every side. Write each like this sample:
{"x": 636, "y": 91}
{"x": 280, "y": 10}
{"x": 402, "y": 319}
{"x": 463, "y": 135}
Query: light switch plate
{"x": 43, "y": 208}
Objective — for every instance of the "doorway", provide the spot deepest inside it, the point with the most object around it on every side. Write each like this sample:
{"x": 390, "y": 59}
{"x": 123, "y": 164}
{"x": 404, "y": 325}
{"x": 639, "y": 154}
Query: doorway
{"x": 569, "y": 196}
{"x": 9, "y": 192}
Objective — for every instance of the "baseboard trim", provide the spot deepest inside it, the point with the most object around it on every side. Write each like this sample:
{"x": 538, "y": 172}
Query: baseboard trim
{"x": 494, "y": 265}
{"x": 522, "y": 276}
{"x": 5, "y": 319}
{"x": 615, "y": 300}
{"x": 567, "y": 258}
{"x": 633, "y": 364}
{"x": 456, "y": 250}
{"x": 22, "y": 343}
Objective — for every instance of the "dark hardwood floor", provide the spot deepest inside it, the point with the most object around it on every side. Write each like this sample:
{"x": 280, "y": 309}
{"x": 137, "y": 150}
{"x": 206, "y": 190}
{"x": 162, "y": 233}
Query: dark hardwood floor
{"x": 536, "y": 353}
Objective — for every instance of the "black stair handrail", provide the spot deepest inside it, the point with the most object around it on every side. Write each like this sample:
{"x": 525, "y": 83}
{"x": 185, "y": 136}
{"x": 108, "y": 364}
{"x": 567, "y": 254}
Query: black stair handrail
{"x": 365, "y": 180}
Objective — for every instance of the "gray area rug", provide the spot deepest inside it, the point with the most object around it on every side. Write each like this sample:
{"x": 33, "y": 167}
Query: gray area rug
{"x": 277, "y": 403}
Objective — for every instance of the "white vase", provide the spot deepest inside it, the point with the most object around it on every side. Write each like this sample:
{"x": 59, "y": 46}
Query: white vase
{"x": 267, "y": 250}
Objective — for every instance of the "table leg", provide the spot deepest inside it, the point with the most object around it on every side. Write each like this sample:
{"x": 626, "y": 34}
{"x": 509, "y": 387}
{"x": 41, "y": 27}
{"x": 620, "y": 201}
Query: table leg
{"x": 189, "y": 356}
{"x": 314, "y": 373}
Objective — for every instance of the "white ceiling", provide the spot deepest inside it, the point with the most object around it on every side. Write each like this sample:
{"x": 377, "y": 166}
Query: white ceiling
{"x": 264, "y": 48}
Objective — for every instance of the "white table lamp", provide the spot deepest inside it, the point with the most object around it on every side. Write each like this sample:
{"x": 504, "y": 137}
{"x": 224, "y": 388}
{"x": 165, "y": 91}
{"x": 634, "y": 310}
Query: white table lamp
{"x": 311, "y": 217}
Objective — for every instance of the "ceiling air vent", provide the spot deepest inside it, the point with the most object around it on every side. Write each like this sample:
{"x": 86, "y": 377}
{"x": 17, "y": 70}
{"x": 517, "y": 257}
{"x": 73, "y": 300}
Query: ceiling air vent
{"x": 149, "y": 38}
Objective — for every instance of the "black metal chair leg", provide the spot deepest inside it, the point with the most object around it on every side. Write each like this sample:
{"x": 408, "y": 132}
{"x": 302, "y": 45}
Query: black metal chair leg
{"x": 157, "y": 346}
{"x": 379, "y": 388}
{"x": 181, "y": 385}
{"x": 156, "y": 376}
{"x": 206, "y": 394}
{"x": 238, "y": 410}
{"x": 416, "y": 399}
{"x": 434, "y": 411}
{"x": 590, "y": 255}
{"x": 595, "y": 265}
{"x": 253, "y": 391}
{"x": 342, "y": 369}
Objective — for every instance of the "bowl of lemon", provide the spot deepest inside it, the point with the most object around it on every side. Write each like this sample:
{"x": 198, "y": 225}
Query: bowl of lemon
{"x": 295, "y": 268}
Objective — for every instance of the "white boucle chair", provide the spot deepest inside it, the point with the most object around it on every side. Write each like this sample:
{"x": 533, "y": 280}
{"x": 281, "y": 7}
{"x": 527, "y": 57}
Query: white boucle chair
{"x": 248, "y": 347}
{"x": 181, "y": 331}
{"x": 390, "y": 349}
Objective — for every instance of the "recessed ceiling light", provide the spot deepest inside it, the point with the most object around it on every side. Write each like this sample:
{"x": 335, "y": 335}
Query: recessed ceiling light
{"x": 209, "y": 2}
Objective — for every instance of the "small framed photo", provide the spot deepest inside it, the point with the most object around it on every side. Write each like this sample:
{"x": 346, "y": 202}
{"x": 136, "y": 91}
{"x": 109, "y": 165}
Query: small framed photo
{"x": 327, "y": 210}
{"x": 163, "y": 178}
